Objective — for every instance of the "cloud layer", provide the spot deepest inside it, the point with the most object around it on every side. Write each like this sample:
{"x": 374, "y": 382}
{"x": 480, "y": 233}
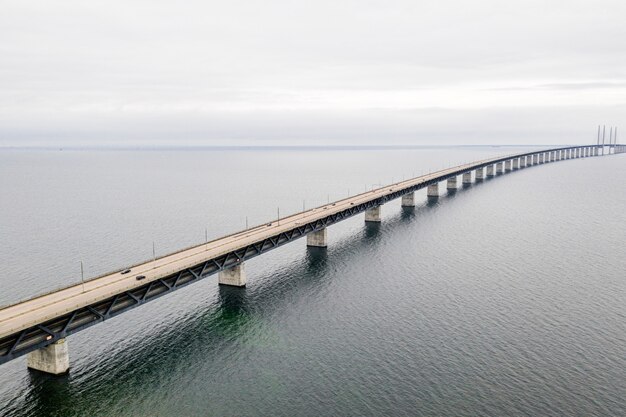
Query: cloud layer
{"x": 296, "y": 72}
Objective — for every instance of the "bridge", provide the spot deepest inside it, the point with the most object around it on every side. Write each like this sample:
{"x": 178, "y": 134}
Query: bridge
{"x": 38, "y": 327}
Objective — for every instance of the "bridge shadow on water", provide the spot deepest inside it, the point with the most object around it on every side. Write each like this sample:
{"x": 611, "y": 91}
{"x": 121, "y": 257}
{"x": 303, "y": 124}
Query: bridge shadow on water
{"x": 204, "y": 333}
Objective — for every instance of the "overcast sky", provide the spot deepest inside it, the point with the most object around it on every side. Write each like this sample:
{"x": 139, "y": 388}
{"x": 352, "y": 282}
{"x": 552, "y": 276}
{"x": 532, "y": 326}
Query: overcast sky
{"x": 310, "y": 72}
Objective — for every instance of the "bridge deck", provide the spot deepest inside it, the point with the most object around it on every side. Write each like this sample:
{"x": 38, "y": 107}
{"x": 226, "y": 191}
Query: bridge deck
{"x": 33, "y": 312}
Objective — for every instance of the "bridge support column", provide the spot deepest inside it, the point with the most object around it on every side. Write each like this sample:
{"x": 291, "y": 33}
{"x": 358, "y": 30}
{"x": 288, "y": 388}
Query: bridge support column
{"x": 542, "y": 158}
{"x": 595, "y": 151}
{"x": 508, "y": 165}
{"x": 499, "y": 168}
{"x": 234, "y": 276}
{"x": 433, "y": 190}
{"x": 569, "y": 154}
{"x": 522, "y": 162}
{"x": 535, "y": 159}
{"x": 318, "y": 239}
{"x": 408, "y": 200}
{"x": 516, "y": 163}
{"x": 467, "y": 178}
{"x": 52, "y": 359}
{"x": 373, "y": 215}
{"x": 480, "y": 174}
{"x": 490, "y": 170}
{"x": 450, "y": 185}
{"x": 552, "y": 156}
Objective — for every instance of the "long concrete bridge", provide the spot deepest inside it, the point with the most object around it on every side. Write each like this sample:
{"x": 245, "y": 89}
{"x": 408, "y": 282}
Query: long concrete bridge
{"x": 38, "y": 326}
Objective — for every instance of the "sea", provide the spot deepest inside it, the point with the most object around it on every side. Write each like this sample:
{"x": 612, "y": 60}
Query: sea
{"x": 506, "y": 297}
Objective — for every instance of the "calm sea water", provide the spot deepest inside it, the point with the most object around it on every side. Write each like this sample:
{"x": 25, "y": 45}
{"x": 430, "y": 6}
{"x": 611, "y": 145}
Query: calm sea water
{"x": 505, "y": 298}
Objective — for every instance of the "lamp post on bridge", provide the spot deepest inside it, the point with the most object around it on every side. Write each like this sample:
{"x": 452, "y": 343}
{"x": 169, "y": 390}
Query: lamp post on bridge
{"x": 82, "y": 275}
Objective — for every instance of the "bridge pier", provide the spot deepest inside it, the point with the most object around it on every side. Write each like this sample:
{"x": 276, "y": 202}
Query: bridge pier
{"x": 53, "y": 359}
{"x": 490, "y": 170}
{"x": 508, "y": 165}
{"x": 234, "y": 276}
{"x": 467, "y": 178}
{"x": 317, "y": 239}
{"x": 408, "y": 200}
{"x": 522, "y": 162}
{"x": 499, "y": 168}
{"x": 542, "y": 158}
{"x": 480, "y": 174}
{"x": 534, "y": 159}
{"x": 450, "y": 184}
{"x": 516, "y": 163}
{"x": 373, "y": 215}
{"x": 433, "y": 190}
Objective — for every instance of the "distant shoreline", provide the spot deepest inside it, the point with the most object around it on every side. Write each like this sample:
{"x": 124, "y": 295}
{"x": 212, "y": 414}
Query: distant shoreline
{"x": 259, "y": 148}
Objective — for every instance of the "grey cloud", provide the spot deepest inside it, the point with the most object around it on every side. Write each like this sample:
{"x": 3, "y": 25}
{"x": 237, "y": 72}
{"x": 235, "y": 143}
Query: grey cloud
{"x": 244, "y": 70}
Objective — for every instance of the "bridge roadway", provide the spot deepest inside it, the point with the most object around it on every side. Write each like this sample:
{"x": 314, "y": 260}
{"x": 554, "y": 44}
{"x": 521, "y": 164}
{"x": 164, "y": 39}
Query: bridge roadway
{"x": 41, "y": 321}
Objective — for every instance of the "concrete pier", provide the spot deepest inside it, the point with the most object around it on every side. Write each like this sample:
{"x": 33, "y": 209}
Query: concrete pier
{"x": 234, "y": 276}
{"x": 451, "y": 184}
{"x": 408, "y": 200}
{"x": 373, "y": 215}
{"x": 522, "y": 162}
{"x": 433, "y": 190}
{"x": 542, "y": 158}
{"x": 53, "y": 359}
{"x": 516, "y": 163}
{"x": 499, "y": 168}
{"x": 467, "y": 178}
{"x": 318, "y": 239}
{"x": 490, "y": 170}
{"x": 480, "y": 174}
{"x": 508, "y": 165}
{"x": 535, "y": 159}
